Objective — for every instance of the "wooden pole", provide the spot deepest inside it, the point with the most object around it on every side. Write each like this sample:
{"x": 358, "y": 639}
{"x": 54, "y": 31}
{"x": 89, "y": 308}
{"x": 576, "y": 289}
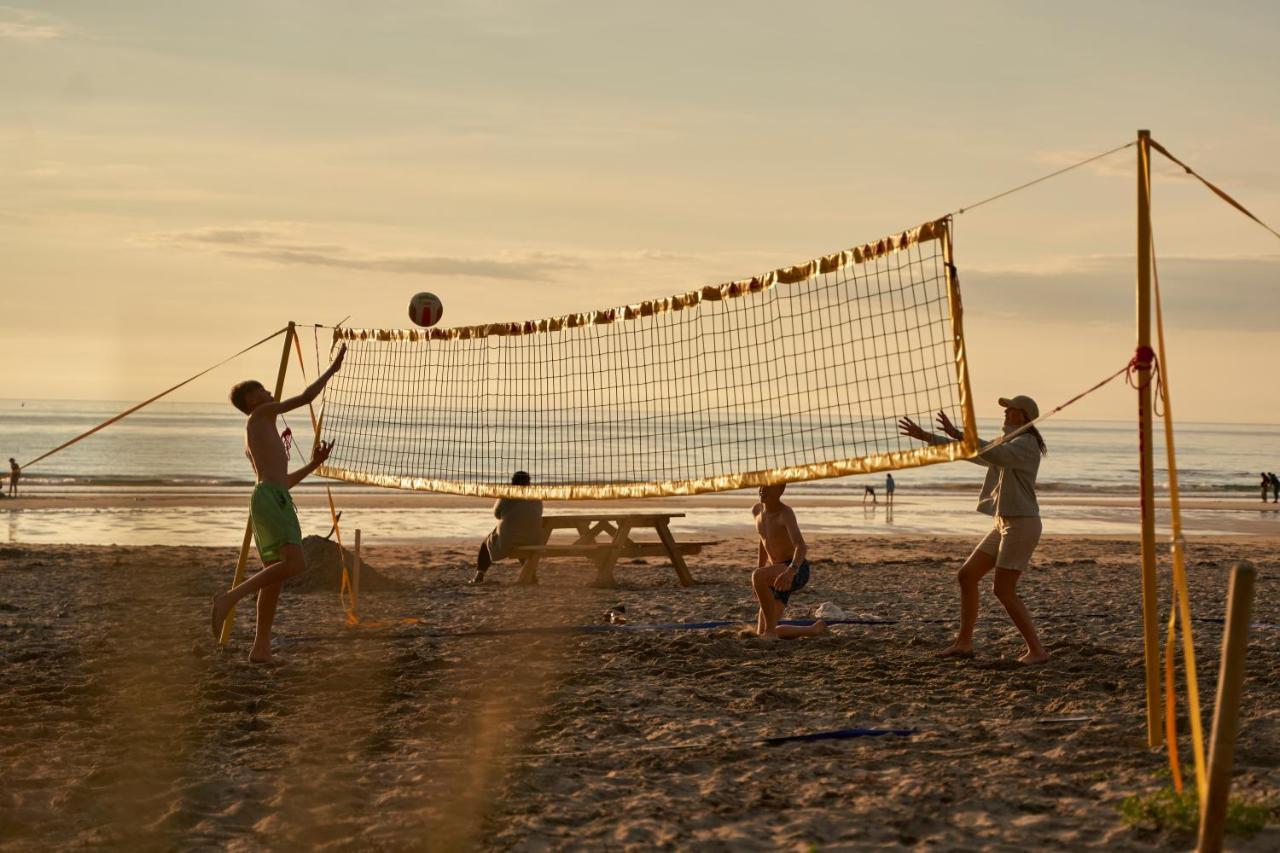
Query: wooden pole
{"x": 243, "y": 560}
{"x": 1226, "y": 714}
{"x": 355, "y": 577}
{"x": 1150, "y": 589}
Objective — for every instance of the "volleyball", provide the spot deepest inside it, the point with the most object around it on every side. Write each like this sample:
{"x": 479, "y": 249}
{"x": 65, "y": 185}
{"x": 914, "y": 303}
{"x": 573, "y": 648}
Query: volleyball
{"x": 425, "y": 309}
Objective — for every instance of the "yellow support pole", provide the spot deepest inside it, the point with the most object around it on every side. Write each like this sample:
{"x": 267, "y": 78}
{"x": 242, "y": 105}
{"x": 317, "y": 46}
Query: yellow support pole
{"x": 1226, "y": 716}
{"x": 243, "y": 560}
{"x": 1150, "y": 590}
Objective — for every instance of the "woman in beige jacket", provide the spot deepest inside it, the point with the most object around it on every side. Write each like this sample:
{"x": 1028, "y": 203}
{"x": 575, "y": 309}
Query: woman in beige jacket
{"x": 1009, "y": 495}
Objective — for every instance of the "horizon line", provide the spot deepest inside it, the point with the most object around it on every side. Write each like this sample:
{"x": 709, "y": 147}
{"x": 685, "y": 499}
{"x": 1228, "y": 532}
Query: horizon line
{"x": 127, "y": 403}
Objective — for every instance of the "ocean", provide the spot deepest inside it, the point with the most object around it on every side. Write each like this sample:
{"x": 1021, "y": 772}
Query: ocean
{"x": 198, "y": 447}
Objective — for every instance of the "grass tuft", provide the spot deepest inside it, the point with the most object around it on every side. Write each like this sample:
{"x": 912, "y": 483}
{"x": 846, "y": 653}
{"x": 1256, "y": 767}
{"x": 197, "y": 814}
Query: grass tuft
{"x": 1168, "y": 810}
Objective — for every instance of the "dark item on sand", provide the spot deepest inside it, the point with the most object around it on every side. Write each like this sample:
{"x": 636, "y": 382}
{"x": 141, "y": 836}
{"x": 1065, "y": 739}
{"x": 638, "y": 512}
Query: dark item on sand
{"x": 324, "y": 569}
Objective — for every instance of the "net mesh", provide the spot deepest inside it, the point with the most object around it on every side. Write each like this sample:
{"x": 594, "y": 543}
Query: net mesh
{"x": 795, "y": 375}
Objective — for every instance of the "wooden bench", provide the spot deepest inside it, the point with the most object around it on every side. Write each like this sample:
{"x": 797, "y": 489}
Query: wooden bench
{"x": 617, "y": 528}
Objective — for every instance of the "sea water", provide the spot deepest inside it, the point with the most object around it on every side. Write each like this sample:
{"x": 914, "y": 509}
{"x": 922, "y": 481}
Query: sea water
{"x": 186, "y": 448}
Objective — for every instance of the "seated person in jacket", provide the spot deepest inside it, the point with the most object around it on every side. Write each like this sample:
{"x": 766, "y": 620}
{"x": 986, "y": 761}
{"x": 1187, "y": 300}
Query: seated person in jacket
{"x": 519, "y": 523}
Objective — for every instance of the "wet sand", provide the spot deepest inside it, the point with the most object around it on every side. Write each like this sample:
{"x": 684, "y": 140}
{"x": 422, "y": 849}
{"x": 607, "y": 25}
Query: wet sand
{"x": 120, "y": 725}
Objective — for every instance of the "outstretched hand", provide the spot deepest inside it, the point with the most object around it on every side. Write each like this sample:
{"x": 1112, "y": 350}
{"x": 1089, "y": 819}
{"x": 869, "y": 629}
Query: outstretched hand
{"x": 911, "y": 429}
{"x": 945, "y": 424}
{"x": 321, "y": 452}
{"x": 337, "y": 362}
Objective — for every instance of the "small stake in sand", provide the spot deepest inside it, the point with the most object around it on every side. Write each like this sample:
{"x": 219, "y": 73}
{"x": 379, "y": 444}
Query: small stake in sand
{"x": 1226, "y": 715}
{"x": 355, "y": 577}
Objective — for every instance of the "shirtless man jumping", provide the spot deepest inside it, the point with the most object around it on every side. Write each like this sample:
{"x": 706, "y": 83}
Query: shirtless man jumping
{"x": 782, "y": 568}
{"x": 275, "y": 520}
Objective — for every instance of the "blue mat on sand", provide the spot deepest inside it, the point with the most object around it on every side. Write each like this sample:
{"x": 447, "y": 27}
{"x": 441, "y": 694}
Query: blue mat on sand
{"x": 838, "y": 734}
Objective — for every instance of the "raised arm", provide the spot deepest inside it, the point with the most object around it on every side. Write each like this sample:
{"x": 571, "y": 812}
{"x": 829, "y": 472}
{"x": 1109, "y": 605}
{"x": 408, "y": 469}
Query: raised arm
{"x": 318, "y": 456}
{"x": 313, "y": 390}
{"x": 911, "y": 429}
{"x": 1021, "y": 452}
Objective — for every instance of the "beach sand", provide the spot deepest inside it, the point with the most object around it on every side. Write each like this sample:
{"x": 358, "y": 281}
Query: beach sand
{"x": 120, "y": 725}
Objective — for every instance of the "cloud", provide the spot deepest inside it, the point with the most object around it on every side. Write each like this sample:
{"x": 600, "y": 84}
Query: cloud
{"x": 23, "y": 25}
{"x": 271, "y": 245}
{"x": 1220, "y": 294}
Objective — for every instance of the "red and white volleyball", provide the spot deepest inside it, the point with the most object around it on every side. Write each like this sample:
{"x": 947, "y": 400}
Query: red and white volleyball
{"x": 425, "y": 309}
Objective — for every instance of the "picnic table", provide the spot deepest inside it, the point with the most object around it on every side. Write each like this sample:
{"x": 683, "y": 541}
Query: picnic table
{"x": 603, "y": 538}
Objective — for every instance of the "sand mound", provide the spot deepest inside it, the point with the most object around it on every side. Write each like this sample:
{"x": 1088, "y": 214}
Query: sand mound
{"x": 324, "y": 569}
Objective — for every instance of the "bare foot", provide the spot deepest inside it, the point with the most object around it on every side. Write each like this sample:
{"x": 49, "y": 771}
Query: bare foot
{"x": 1029, "y": 659}
{"x": 254, "y": 657}
{"x": 477, "y": 579}
{"x": 956, "y": 651}
{"x": 768, "y": 635}
{"x": 820, "y": 628}
{"x": 218, "y": 614}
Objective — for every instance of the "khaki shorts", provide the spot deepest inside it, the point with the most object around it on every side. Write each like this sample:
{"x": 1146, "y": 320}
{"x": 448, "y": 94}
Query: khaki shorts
{"x": 1012, "y": 541}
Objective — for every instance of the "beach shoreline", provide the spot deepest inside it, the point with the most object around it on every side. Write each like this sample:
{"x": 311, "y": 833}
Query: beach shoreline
{"x": 142, "y": 516}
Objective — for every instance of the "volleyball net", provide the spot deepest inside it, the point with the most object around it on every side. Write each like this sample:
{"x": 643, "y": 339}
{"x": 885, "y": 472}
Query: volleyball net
{"x": 797, "y": 374}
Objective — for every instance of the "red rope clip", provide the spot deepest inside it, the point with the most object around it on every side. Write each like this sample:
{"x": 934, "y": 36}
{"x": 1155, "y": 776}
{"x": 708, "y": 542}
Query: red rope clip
{"x": 1144, "y": 358}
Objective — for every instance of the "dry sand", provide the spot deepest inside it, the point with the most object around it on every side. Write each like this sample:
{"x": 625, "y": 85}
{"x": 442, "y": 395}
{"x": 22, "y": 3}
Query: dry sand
{"x": 121, "y": 726}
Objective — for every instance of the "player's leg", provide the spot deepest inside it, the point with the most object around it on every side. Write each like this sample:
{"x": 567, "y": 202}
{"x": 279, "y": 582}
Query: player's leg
{"x": 483, "y": 562}
{"x": 275, "y": 573}
{"x": 980, "y": 562}
{"x": 1006, "y": 588}
{"x": 268, "y": 596}
{"x": 770, "y": 608}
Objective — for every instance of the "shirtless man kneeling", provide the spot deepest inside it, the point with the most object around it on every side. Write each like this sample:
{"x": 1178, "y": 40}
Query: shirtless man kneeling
{"x": 782, "y": 567}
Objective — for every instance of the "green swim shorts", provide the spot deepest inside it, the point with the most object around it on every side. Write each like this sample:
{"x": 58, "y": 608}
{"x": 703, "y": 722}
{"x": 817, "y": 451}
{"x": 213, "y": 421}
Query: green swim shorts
{"x": 275, "y": 520}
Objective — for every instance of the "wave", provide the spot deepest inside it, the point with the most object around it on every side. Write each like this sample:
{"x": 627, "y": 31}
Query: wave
{"x": 125, "y": 480}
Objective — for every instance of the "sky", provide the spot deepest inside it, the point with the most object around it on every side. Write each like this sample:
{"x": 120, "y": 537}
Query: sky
{"x": 179, "y": 179}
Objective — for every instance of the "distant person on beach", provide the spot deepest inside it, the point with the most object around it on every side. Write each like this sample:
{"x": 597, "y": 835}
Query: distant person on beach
{"x": 275, "y": 519}
{"x": 869, "y": 490}
{"x": 519, "y": 523}
{"x": 1008, "y": 494}
{"x": 781, "y": 568}
{"x": 15, "y": 473}
{"x": 1275, "y": 487}
{"x": 1266, "y": 484}
{"x": 889, "y": 486}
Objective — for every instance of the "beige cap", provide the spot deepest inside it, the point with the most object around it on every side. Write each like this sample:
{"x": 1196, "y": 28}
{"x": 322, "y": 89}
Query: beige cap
{"x": 1023, "y": 402}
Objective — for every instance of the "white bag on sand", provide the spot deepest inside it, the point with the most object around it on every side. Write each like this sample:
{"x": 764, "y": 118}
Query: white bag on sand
{"x": 828, "y": 610}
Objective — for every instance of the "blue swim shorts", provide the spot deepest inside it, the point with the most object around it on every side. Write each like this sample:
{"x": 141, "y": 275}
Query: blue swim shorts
{"x": 797, "y": 583}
